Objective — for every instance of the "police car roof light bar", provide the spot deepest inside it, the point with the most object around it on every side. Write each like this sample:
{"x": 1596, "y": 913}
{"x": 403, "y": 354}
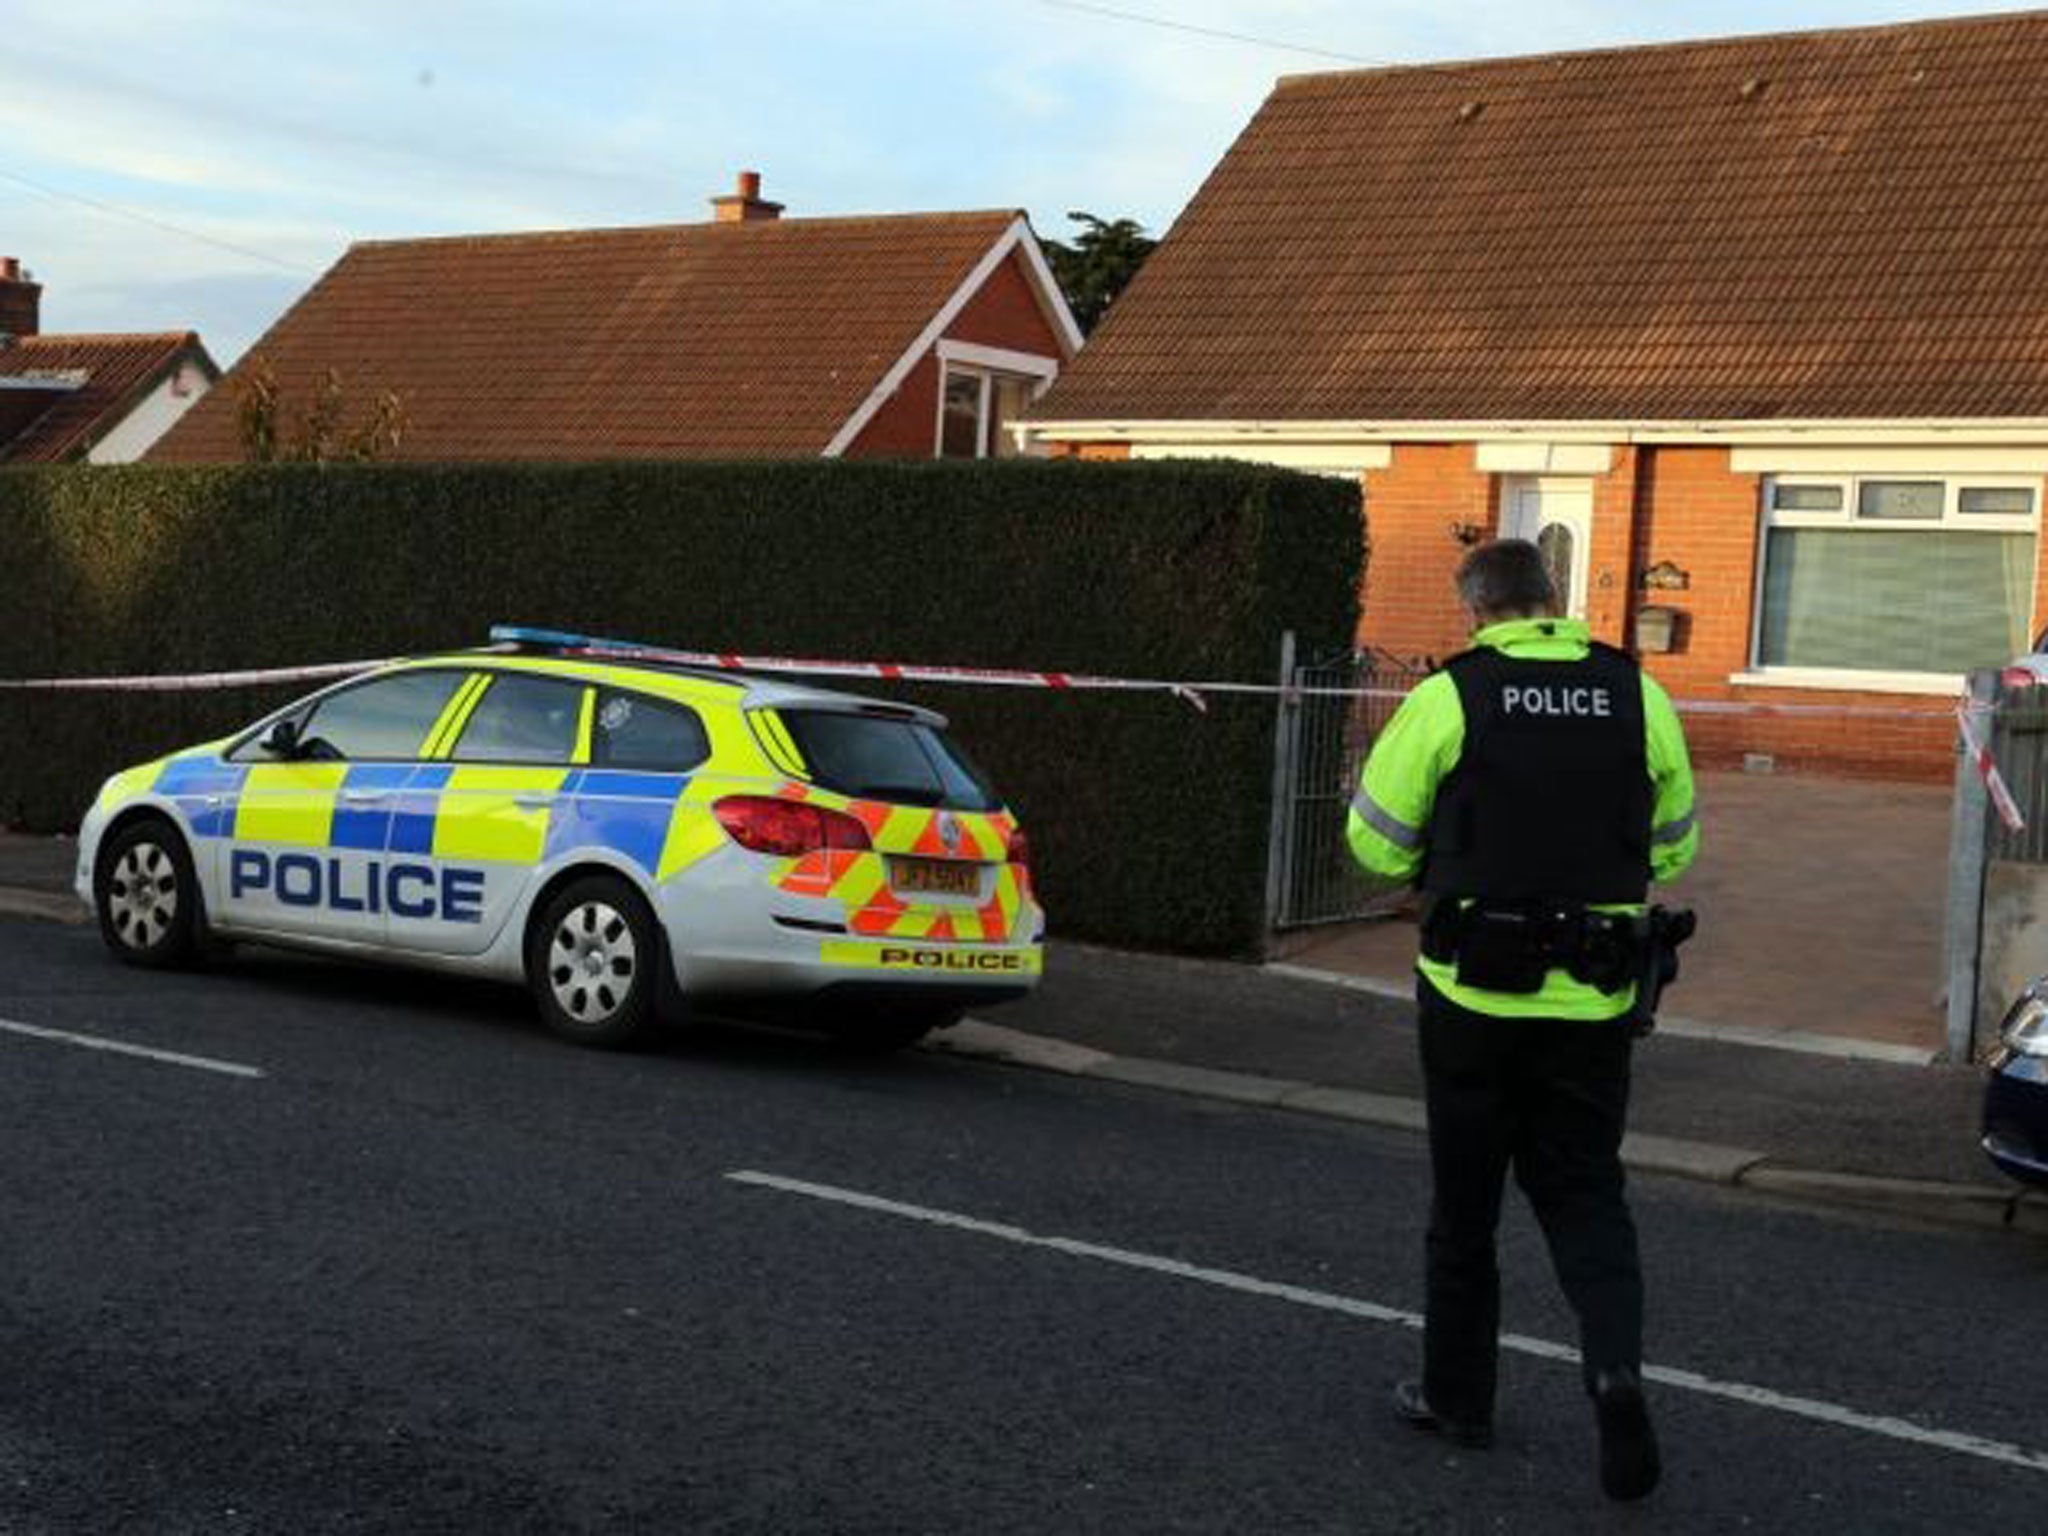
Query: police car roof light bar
{"x": 527, "y": 637}
{"x": 557, "y": 642}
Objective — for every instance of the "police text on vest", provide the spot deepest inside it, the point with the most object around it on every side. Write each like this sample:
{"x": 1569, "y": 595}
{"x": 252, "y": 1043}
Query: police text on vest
{"x": 1557, "y": 699}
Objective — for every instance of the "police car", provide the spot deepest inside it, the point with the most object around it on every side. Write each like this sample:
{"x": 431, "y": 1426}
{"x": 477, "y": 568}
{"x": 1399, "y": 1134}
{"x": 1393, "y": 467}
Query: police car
{"x": 608, "y": 828}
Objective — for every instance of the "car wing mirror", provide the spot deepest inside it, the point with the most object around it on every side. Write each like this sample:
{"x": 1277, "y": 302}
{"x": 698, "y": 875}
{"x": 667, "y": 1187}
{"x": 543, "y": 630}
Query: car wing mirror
{"x": 282, "y": 740}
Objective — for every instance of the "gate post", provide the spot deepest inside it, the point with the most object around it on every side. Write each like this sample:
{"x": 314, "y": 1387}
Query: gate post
{"x": 1285, "y": 716}
{"x": 1968, "y": 851}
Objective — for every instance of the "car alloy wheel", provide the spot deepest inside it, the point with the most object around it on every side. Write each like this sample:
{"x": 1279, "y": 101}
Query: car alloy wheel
{"x": 142, "y": 895}
{"x": 593, "y": 958}
{"x": 147, "y": 896}
{"x": 592, "y": 962}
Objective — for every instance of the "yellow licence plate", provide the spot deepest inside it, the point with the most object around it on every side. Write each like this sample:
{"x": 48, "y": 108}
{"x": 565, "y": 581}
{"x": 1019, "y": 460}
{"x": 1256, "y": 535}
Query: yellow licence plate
{"x": 939, "y": 877}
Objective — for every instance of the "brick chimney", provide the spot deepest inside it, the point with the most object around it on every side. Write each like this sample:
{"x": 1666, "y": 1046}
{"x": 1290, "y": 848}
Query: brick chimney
{"x": 21, "y": 301}
{"x": 745, "y": 205}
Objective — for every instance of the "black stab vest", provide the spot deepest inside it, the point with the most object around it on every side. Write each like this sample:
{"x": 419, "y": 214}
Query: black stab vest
{"x": 1550, "y": 798}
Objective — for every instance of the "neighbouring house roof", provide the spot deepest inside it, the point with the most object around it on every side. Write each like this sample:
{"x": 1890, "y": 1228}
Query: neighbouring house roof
{"x": 1826, "y": 225}
{"x": 751, "y": 339}
{"x": 61, "y": 394}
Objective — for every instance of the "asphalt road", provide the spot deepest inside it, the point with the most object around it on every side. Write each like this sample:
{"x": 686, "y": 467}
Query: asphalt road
{"x": 433, "y": 1271}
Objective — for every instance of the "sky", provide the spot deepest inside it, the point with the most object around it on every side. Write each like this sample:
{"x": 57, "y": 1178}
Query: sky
{"x": 196, "y": 164}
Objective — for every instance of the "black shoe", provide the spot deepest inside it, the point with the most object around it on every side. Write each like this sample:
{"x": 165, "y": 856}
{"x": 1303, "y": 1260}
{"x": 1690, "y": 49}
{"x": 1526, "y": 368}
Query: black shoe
{"x": 1629, "y": 1464}
{"x": 1413, "y": 1408}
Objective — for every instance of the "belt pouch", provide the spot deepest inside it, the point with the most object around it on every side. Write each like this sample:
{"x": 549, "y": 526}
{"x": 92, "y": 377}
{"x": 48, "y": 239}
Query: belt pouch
{"x": 1502, "y": 951}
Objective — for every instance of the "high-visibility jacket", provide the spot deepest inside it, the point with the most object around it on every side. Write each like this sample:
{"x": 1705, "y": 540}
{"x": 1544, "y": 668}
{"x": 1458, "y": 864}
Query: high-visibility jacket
{"x": 1390, "y": 820}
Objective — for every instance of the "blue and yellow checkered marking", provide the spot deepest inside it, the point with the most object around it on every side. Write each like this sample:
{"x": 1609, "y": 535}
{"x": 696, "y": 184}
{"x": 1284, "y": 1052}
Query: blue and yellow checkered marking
{"x": 190, "y": 781}
{"x": 628, "y": 813}
{"x": 632, "y": 814}
{"x": 414, "y": 808}
{"x": 367, "y": 826}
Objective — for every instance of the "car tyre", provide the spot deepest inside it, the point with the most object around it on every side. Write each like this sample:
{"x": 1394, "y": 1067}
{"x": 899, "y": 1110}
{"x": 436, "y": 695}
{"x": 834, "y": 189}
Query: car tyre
{"x": 884, "y": 1032}
{"x": 593, "y": 962}
{"x": 147, "y": 897}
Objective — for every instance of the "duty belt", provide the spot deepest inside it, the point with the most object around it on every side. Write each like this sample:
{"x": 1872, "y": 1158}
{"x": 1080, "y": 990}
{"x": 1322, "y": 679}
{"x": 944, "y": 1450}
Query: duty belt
{"x": 1511, "y": 946}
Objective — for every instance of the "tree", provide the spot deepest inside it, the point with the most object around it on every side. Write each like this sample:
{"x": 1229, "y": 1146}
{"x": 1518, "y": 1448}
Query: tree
{"x": 1103, "y": 259}
{"x": 317, "y": 435}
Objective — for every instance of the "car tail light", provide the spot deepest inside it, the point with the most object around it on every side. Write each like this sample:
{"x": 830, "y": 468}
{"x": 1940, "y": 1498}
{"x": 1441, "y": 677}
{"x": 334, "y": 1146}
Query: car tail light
{"x": 787, "y": 828}
{"x": 1019, "y": 850}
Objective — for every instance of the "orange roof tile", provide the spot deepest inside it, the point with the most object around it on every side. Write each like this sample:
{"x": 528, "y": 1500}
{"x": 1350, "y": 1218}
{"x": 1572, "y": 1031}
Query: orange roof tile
{"x": 699, "y": 340}
{"x": 1846, "y": 224}
{"x": 109, "y": 373}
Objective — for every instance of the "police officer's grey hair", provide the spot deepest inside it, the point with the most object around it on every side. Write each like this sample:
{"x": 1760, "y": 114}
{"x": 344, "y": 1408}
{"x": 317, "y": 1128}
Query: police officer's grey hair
{"x": 1506, "y": 579}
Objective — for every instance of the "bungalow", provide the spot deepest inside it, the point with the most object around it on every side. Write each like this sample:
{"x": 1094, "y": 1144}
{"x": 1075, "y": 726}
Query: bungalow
{"x": 89, "y": 399}
{"x": 750, "y": 336}
{"x": 1749, "y": 335}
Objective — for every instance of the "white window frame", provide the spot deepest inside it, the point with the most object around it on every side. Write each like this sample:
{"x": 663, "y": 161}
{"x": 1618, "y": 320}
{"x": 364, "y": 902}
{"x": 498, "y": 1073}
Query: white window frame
{"x": 966, "y": 359}
{"x": 1952, "y": 520}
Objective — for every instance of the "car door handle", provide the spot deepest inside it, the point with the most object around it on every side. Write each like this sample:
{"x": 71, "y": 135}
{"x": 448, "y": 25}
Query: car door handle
{"x": 363, "y": 796}
{"x": 533, "y": 802}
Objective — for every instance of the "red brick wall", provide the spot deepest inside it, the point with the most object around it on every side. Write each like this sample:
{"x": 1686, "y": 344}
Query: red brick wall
{"x": 1658, "y": 504}
{"x": 1415, "y": 511}
{"x": 1002, "y": 313}
{"x": 1005, "y": 314}
{"x": 1678, "y": 504}
{"x": 907, "y": 425}
{"x": 1701, "y": 516}
{"x": 1610, "y": 561}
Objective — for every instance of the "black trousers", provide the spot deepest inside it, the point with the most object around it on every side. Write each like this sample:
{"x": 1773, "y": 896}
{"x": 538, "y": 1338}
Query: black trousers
{"x": 1548, "y": 1097}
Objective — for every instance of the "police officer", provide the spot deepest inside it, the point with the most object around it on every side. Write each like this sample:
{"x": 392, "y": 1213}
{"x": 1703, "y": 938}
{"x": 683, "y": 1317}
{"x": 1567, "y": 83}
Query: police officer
{"x": 1532, "y": 789}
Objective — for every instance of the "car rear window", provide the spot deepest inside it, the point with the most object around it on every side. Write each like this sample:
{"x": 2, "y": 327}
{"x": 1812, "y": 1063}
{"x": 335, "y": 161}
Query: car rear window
{"x": 877, "y": 757}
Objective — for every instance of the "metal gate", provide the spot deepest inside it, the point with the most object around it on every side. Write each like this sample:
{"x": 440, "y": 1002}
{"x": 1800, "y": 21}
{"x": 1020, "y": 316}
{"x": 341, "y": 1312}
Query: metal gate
{"x": 1322, "y": 741}
{"x": 1998, "y": 874}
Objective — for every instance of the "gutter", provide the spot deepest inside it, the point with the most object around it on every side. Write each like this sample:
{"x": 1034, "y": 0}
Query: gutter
{"x": 1987, "y": 431}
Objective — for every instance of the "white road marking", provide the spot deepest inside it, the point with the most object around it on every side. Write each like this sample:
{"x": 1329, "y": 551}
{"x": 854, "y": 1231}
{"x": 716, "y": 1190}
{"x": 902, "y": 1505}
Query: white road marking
{"x": 123, "y": 1048}
{"x": 1889, "y": 1427}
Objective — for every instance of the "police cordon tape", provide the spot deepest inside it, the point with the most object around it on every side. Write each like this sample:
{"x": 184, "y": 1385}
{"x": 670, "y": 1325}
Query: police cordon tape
{"x": 192, "y": 682}
{"x": 1000, "y": 677}
{"x": 1987, "y": 768}
{"x": 884, "y": 671}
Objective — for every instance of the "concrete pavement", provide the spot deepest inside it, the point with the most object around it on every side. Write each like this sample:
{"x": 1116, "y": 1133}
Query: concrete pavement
{"x": 1821, "y": 905}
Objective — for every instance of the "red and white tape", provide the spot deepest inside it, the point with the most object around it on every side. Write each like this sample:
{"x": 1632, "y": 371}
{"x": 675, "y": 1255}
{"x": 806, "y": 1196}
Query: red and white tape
{"x": 1987, "y": 769}
{"x": 905, "y": 672}
{"x": 713, "y": 660}
{"x": 184, "y": 682}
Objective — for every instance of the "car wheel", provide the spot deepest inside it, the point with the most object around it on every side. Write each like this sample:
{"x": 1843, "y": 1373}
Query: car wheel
{"x": 593, "y": 959}
{"x": 147, "y": 896}
{"x": 882, "y": 1032}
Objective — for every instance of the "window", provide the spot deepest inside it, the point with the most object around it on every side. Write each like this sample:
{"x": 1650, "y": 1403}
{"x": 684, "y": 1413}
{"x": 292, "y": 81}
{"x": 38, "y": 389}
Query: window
{"x": 877, "y": 757}
{"x": 1008, "y": 395}
{"x": 1554, "y": 545}
{"x": 523, "y": 720}
{"x": 632, "y": 732}
{"x": 388, "y": 717}
{"x": 1911, "y": 575}
{"x": 975, "y": 409}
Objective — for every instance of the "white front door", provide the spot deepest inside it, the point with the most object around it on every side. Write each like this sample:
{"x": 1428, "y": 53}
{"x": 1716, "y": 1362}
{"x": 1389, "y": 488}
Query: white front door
{"x": 1556, "y": 515}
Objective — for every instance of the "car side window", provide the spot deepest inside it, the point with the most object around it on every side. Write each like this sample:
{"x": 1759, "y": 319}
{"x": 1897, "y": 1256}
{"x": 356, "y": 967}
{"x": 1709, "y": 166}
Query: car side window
{"x": 387, "y": 717}
{"x": 522, "y": 720}
{"x": 639, "y": 733}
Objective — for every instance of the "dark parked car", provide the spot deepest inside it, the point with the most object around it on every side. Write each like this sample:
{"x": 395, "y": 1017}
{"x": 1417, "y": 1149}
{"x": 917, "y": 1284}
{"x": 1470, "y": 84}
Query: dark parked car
{"x": 2016, "y": 1097}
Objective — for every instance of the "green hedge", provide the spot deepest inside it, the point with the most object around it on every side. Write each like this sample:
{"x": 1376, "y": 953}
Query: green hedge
{"x": 1148, "y": 819}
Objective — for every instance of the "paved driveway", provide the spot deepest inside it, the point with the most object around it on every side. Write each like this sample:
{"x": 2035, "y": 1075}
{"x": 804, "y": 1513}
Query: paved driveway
{"x": 1821, "y": 904}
